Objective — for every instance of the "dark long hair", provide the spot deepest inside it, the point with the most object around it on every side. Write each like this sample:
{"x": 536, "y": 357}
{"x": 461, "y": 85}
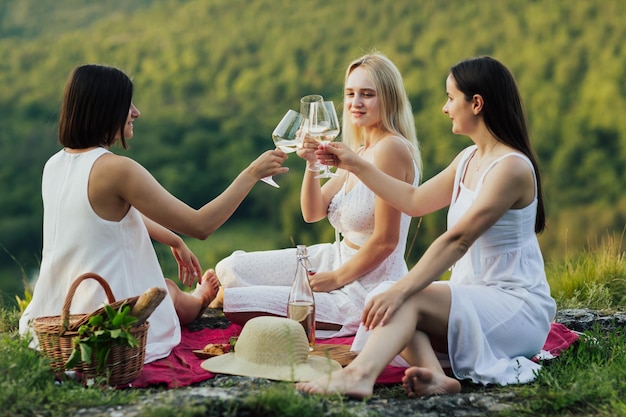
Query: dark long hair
{"x": 503, "y": 110}
{"x": 95, "y": 107}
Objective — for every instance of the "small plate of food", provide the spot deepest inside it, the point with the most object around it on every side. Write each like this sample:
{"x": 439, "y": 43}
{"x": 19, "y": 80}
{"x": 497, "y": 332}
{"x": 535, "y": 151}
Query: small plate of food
{"x": 212, "y": 349}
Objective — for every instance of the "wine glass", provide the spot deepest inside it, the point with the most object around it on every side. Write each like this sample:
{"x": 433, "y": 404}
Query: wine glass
{"x": 287, "y": 136}
{"x": 324, "y": 126}
{"x": 306, "y": 103}
{"x": 270, "y": 181}
{"x": 289, "y": 133}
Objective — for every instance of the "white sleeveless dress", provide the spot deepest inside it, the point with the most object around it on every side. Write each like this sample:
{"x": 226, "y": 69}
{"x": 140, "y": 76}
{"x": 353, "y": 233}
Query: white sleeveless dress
{"x": 260, "y": 281}
{"x": 501, "y": 305}
{"x": 76, "y": 240}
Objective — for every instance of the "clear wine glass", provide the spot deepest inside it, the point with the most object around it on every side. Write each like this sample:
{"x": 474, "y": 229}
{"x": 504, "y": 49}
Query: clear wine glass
{"x": 324, "y": 126}
{"x": 270, "y": 181}
{"x": 289, "y": 132}
{"x": 287, "y": 136}
{"x": 306, "y": 103}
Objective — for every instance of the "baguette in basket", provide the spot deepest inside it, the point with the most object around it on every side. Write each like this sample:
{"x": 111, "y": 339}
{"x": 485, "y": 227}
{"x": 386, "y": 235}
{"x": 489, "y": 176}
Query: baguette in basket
{"x": 147, "y": 303}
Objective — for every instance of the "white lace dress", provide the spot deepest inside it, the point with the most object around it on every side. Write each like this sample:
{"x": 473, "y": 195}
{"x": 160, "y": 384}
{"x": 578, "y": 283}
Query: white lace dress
{"x": 260, "y": 281}
{"x": 501, "y": 305}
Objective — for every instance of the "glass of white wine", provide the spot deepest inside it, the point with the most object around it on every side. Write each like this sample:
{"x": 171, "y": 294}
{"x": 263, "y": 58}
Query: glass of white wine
{"x": 287, "y": 136}
{"x": 325, "y": 128}
{"x": 289, "y": 132}
{"x": 308, "y": 105}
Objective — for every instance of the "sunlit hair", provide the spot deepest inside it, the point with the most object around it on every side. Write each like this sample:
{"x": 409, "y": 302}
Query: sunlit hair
{"x": 95, "y": 107}
{"x": 503, "y": 110}
{"x": 395, "y": 108}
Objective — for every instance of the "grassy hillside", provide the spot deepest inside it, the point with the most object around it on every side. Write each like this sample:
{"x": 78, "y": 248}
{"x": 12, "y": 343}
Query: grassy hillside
{"x": 212, "y": 77}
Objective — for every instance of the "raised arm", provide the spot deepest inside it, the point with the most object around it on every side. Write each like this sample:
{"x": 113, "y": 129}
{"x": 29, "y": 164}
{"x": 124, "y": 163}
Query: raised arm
{"x": 433, "y": 195}
{"x": 315, "y": 198}
{"x": 117, "y": 182}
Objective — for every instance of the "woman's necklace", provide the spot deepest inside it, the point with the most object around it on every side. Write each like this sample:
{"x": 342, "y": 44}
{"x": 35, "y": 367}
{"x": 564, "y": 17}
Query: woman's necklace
{"x": 479, "y": 163}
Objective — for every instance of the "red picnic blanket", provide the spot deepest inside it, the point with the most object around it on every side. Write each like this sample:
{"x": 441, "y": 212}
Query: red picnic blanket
{"x": 182, "y": 367}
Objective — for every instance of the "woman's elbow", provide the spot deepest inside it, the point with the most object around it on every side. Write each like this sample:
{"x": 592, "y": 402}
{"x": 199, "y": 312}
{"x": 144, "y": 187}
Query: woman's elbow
{"x": 461, "y": 245}
{"x": 312, "y": 217}
{"x": 200, "y": 233}
{"x": 307, "y": 219}
{"x": 386, "y": 247}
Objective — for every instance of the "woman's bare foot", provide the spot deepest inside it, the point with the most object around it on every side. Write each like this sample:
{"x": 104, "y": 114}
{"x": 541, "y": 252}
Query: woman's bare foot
{"x": 207, "y": 289}
{"x": 218, "y": 301}
{"x": 419, "y": 382}
{"x": 346, "y": 381}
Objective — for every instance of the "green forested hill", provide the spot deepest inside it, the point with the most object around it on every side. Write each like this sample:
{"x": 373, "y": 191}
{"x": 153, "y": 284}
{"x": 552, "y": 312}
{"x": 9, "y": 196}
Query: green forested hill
{"x": 212, "y": 77}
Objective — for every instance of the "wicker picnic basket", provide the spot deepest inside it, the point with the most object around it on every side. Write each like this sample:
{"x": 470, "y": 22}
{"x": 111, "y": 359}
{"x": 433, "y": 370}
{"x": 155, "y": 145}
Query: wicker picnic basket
{"x": 56, "y": 334}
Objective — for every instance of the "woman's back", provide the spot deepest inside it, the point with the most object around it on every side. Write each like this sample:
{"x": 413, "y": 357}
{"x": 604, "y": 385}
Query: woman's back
{"x": 77, "y": 240}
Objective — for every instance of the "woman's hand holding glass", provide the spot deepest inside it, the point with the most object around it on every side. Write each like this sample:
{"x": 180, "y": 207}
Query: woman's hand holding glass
{"x": 267, "y": 164}
{"x": 307, "y": 151}
{"x": 339, "y": 155}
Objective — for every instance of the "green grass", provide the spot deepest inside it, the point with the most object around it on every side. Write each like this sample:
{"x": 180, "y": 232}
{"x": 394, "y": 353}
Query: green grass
{"x": 27, "y": 387}
{"x": 587, "y": 380}
{"x": 595, "y": 279}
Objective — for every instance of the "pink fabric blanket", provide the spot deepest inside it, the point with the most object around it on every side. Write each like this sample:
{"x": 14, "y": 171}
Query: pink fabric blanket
{"x": 182, "y": 367}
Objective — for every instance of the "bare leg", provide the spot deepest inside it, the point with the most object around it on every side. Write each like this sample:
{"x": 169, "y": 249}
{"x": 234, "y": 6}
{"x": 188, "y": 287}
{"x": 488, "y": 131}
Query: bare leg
{"x": 189, "y": 305}
{"x": 358, "y": 378}
{"x": 428, "y": 377}
{"x": 427, "y": 311}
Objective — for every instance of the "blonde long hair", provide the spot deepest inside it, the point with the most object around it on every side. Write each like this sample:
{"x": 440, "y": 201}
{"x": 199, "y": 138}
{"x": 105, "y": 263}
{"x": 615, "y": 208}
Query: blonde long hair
{"x": 395, "y": 108}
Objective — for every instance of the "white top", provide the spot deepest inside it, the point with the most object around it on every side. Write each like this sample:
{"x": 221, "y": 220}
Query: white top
{"x": 76, "y": 240}
{"x": 352, "y": 213}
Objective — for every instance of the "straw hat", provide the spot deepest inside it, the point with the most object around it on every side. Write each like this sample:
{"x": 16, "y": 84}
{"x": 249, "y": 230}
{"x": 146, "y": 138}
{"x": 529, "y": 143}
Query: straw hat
{"x": 273, "y": 348}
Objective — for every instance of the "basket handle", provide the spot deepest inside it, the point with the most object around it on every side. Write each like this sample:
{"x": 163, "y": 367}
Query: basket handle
{"x": 65, "y": 312}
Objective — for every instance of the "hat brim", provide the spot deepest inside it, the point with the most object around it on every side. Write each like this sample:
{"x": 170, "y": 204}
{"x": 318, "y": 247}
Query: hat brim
{"x": 314, "y": 367}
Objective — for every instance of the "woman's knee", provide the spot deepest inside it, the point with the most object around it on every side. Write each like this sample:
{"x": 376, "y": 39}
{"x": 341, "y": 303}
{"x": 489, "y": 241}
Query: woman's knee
{"x": 224, "y": 270}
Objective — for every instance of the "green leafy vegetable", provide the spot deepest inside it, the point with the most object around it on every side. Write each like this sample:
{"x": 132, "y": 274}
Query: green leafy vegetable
{"x": 100, "y": 334}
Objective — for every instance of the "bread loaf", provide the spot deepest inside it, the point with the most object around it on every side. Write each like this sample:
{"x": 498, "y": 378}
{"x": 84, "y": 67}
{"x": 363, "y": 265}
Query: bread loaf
{"x": 147, "y": 303}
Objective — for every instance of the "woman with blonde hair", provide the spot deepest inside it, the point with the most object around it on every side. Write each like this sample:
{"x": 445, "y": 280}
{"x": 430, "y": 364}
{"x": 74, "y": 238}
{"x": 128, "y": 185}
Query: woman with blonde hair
{"x": 371, "y": 234}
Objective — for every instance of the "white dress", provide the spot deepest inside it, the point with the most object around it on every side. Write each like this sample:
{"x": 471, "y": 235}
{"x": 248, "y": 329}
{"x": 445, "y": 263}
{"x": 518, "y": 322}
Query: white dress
{"x": 260, "y": 281}
{"x": 501, "y": 305}
{"x": 76, "y": 240}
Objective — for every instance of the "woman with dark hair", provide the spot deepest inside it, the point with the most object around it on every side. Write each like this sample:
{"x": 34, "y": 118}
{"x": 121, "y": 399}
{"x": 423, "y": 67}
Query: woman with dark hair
{"x": 495, "y": 311}
{"x": 101, "y": 211}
